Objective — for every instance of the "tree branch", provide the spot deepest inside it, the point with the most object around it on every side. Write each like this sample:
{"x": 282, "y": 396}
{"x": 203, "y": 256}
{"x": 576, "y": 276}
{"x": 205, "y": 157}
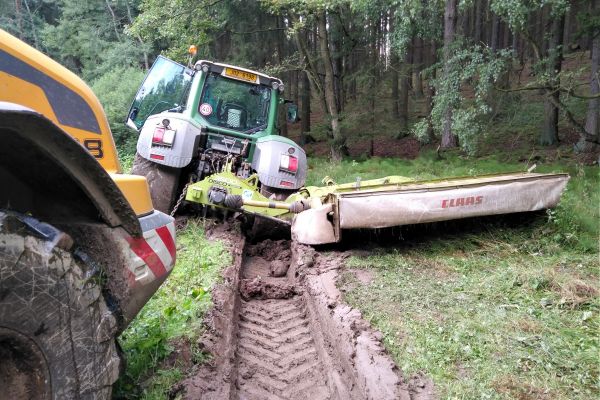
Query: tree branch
{"x": 576, "y": 124}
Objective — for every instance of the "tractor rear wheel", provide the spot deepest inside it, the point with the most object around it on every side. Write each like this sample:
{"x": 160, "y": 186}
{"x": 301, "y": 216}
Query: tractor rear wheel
{"x": 162, "y": 180}
{"x": 57, "y": 336}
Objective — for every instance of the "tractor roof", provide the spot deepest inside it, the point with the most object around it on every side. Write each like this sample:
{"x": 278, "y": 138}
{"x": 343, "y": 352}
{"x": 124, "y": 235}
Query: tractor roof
{"x": 263, "y": 77}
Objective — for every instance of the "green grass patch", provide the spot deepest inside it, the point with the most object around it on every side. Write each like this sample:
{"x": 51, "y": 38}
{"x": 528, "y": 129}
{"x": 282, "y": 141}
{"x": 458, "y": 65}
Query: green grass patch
{"x": 173, "y": 316}
{"x": 501, "y": 312}
{"x": 487, "y": 316}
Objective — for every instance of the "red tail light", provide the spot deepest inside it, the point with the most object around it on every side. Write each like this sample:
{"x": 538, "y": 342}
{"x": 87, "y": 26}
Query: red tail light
{"x": 288, "y": 163}
{"x": 163, "y": 136}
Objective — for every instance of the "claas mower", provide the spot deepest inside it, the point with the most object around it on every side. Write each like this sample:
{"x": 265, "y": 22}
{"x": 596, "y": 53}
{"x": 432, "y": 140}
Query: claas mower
{"x": 209, "y": 136}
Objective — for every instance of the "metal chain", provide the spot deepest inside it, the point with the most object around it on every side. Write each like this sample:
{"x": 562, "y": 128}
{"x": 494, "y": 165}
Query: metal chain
{"x": 183, "y": 193}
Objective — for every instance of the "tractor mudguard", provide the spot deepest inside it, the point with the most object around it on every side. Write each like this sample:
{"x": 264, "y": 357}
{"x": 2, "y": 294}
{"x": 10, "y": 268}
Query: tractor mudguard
{"x": 39, "y": 157}
{"x": 183, "y": 148}
{"x": 267, "y": 162}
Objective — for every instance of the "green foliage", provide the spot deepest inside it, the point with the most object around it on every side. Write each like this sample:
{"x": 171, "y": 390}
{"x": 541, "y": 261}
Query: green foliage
{"x": 116, "y": 89}
{"x": 174, "y": 25}
{"x": 85, "y": 39}
{"x": 416, "y": 18}
{"x": 516, "y": 12}
{"x": 480, "y": 68}
{"x": 176, "y": 311}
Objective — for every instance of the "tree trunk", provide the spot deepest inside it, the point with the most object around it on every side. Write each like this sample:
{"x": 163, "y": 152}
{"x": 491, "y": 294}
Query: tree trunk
{"x": 19, "y": 18}
{"x": 495, "y": 33}
{"x": 592, "y": 126}
{"x": 478, "y": 19}
{"x": 417, "y": 67}
{"x": 430, "y": 91}
{"x": 449, "y": 139}
{"x": 373, "y": 80}
{"x": 405, "y": 77}
{"x": 338, "y": 145}
{"x": 304, "y": 108}
{"x": 394, "y": 77}
{"x": 549, "y": 134}
{"x": 394, "y": 65}
{"x": 282, "y": 115}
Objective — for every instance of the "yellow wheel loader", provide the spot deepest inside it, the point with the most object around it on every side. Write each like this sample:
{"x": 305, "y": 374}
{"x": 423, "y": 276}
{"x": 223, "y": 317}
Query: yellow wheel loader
{"x": 81, "y": 247}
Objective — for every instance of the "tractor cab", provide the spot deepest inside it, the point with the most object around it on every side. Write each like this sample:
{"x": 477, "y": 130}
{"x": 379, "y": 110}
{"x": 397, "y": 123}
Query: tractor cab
{"x": 220, "y": 97}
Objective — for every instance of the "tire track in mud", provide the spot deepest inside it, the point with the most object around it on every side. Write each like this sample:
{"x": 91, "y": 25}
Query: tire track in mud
{"x": 280, "y": 330}
{"x": 277, "y": 356}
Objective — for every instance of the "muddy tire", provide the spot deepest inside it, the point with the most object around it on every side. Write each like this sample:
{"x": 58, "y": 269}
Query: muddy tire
{"x": 57, "y": 337}
{"x": 162, "y": 180}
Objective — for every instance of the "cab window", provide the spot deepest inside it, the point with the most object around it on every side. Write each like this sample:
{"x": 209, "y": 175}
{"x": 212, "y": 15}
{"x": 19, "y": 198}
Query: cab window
{"x": 234, "y": 104}
{"x": 166, "y": 87}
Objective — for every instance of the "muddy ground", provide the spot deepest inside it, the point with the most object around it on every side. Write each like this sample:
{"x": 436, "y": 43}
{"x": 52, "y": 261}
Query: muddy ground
{"x": 279, "y": 330}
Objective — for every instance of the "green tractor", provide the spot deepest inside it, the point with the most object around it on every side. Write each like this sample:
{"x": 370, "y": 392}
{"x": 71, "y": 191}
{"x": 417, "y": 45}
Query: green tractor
{"x": 211, "y": 131}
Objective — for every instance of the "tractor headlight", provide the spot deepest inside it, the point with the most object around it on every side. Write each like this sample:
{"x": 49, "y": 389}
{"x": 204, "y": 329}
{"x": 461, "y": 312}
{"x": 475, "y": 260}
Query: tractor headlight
{"x": 205, "y": 68}
{"x": 281, "y": 87}
{"x": 275, "y": 85}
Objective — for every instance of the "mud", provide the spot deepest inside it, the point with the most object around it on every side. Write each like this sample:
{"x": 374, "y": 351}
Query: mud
{"x": 291, "y": 336}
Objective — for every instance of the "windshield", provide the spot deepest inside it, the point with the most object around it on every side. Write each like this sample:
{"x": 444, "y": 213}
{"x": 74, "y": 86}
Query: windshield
{"x": 164, "y": 88}
{"x": 234, "y": 104}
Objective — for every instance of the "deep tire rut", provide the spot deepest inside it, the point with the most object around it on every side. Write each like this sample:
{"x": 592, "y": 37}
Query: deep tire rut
{"x": 277, "y": 356}
{"x": 280, "y": 330}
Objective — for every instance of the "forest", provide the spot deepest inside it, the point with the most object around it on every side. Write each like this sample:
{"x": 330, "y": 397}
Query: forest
{"x": 498, "y": 308}
{"x": 440, "y": 71}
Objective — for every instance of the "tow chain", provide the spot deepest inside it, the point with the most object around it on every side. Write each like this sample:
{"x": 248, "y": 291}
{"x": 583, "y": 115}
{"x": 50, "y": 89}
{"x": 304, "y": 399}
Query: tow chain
{"x": 181, "y": 198}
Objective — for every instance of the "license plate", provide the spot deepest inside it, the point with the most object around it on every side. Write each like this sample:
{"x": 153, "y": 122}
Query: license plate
{"x": 242, "y": 75}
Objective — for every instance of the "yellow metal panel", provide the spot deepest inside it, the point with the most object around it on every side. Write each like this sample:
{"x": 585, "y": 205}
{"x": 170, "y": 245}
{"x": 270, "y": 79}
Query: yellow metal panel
{"x": 32, "y": 88}
{"x": 135, "y": 189}
{"x": 33, "y": 80}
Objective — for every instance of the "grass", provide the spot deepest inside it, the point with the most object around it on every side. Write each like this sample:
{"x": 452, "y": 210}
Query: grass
{"x": 172, "y": 318}
{"x": 501, "y": 312}
{"x": 487, "y": 316}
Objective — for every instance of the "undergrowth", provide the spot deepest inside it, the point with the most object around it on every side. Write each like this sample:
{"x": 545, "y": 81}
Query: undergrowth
{"x": 173, "y": 317}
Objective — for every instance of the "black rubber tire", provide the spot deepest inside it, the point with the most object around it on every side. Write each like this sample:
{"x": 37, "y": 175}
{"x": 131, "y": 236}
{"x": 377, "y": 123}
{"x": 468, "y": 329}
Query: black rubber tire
{"x": 57, "y": 337}
{"x": 162, "y": 180}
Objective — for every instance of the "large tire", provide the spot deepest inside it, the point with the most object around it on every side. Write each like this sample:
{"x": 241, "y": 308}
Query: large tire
{"x": 57, "y": 337}
{"x": 162, "y": 180}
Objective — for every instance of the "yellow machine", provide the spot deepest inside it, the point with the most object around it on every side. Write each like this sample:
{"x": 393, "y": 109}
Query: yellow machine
{"x": 81, "y": 247}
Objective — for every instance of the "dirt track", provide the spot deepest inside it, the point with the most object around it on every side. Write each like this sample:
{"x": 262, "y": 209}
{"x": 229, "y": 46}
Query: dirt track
{"x": 291, "y": 337}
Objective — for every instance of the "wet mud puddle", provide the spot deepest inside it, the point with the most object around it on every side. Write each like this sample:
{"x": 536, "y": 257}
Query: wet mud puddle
{"x": 277, "y": 355}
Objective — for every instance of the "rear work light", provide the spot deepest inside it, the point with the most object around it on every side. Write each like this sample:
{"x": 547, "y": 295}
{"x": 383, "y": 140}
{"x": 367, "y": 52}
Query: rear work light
{"x": 163, "y": 136}
{"x": 288, "y": 163}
